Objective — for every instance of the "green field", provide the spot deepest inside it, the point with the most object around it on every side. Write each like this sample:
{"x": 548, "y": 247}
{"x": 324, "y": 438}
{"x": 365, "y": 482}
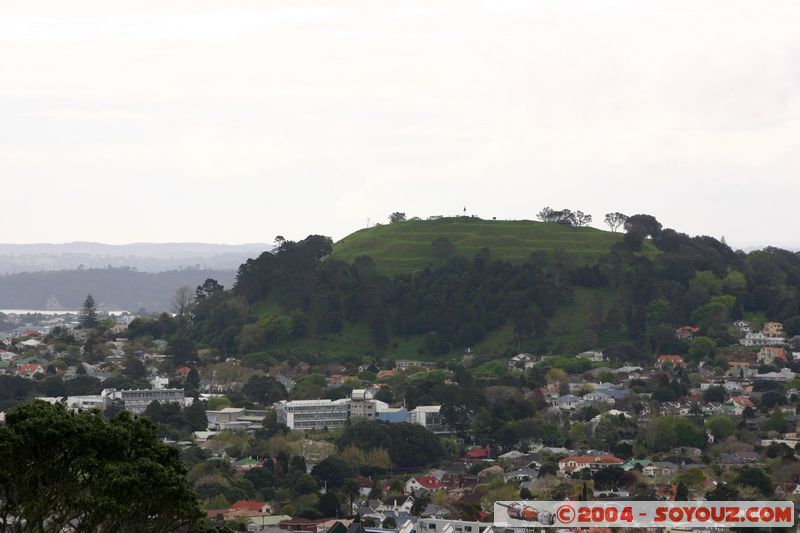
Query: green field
{"x": 406, "y": 246}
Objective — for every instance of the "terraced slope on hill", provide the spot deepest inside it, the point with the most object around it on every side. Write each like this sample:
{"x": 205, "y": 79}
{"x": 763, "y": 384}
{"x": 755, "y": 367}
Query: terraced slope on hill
{"x": 406, "y": 246}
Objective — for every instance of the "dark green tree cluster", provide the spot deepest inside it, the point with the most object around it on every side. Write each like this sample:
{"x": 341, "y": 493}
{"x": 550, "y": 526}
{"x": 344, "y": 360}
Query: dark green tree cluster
{"x": 409, "y": 445}
{"x": 177, "y": 422}
{"x": 58, "y": 467}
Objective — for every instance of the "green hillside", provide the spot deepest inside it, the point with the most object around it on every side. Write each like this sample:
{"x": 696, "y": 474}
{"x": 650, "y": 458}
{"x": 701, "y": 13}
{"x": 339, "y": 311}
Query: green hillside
{"x": 406, "y": 246}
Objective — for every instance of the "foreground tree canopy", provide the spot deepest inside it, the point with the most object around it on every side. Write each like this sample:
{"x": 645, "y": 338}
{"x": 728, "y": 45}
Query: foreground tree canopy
{"x": 59, "y": 467}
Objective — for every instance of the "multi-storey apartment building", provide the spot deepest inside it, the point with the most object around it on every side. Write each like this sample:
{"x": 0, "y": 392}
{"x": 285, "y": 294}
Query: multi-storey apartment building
{"x": 137, "y": 400}
{"x": 305, "y": 415}
{"x": 429, "y": 416}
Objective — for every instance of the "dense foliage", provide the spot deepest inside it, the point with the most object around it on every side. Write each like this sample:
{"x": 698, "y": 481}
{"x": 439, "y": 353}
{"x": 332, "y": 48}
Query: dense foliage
{"x": 58, "y": 467}
{"x": 691, "y": 280}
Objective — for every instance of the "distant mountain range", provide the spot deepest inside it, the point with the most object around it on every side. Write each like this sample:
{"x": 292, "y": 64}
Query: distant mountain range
{"x": 146, "y": 257}
{"x": 112, "y": 288}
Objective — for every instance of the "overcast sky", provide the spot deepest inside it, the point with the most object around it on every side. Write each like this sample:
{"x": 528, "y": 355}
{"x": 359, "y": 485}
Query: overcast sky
{"x": 235, "y": 121}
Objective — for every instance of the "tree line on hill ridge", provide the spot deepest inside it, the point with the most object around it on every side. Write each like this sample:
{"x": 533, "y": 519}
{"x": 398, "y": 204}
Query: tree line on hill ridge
{"x": 690, "y": 280}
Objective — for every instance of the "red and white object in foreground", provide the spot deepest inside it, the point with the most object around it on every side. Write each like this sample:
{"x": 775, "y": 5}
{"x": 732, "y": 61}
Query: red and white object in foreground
{"x": 644, "y": 514}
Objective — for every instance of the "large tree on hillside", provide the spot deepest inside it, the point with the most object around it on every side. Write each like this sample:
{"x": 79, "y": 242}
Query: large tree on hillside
{"x": 615, "y": 220}
{"x": 59, "y": 467}
{"x": 644, "y": 224}
{"x": 88, "y": 314}
{"x": 581, "y": 219}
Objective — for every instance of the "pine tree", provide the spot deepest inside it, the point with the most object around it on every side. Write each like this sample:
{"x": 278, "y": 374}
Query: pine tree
{"x": 88, "y": 314}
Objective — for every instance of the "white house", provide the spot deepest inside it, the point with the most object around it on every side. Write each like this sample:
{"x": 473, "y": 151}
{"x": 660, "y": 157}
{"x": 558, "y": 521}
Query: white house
{"x": 599, "y": 397}
{"x": 522, "y": 360}
{"x": 593, "y": 355}
{"x": 759, "y": 339}
{"x": 423, "y": 483}
{"x": 402, "y": 504}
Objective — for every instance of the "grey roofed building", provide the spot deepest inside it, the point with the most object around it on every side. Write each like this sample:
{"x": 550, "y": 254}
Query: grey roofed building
{"x": 568, "y": 401}
{"x": 287, "y": 383}
{"x": 628, "y": 369}
{"x": 435, "y": 511}
{"x": 738, "y": 458}
{"x": 521, "y": 474}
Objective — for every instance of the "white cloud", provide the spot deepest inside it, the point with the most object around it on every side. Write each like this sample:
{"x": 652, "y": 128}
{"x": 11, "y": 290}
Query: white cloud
{"x": 299, "y": 117}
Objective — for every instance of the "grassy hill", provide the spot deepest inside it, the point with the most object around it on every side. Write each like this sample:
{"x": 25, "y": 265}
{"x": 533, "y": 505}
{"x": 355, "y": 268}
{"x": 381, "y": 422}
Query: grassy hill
{"x": 406, "y": 246}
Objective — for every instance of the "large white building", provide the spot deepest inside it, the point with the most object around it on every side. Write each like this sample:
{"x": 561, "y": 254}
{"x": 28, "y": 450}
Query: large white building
{"x": 306, "y": 415}
{"x": 429, "y": 416}
{"x": 759, "y": 339}
{"x": 135, "y": 400}
{"x": 236, "y": 418}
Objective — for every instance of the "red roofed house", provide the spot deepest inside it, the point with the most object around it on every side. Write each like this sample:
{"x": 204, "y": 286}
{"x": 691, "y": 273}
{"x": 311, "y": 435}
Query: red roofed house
{"x": 183, "y": 371}
{"x": 686, "y": 332}
{"x": 737, "y": 404}
{"x": 478, "y": 454}
{"x": 30, "y": 370}
{"x": 674, "y": 360}
{"x": 592, "y": 462}
{"x": 769, "y": 354}
{"x": 243, "y": 507}
{"x": 423, "y": 483}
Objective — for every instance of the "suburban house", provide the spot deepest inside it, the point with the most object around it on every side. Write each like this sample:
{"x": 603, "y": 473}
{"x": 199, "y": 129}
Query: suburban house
{"x": 660, "y": 468}
{"x": 248, "y": 507}
{"x": 595, "y": 356}
{"x": 772, "y": 329}
{"x": 568, "y": 402}
{"x": 592, "y": 462}
{"x": 743, "y": 326}
{"x": 686, "y": 332}
{"x": 397, "y": 505}
{"x": 783, "y": 376}
{"x": 769, "y": 354}
{"x": 522, "y": 360}
{"x": 478, "y": 454}
{"x": 453, "y": 475}
{"x": 738, "y": 458}
{"x": 31, "y": 369}
{"x": 789, "y": 490}
{"x": 405, "y": 364}
{"x": 674, "y": 360}
{"x": 600, "y": 397}
{"x": 759, "y": 339}
{"x": 423, "y": 483}
{"x": 30, "y": 343}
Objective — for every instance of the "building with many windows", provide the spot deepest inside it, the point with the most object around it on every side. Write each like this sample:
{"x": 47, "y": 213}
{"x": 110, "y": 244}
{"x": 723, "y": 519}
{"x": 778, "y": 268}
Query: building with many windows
{"x": 134, "y": 400}
{"x": 429, "y": 416}
{"x": 306, "y": 415}
{"x": 362, "y": 405}
{"x": 137, "y": 400}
